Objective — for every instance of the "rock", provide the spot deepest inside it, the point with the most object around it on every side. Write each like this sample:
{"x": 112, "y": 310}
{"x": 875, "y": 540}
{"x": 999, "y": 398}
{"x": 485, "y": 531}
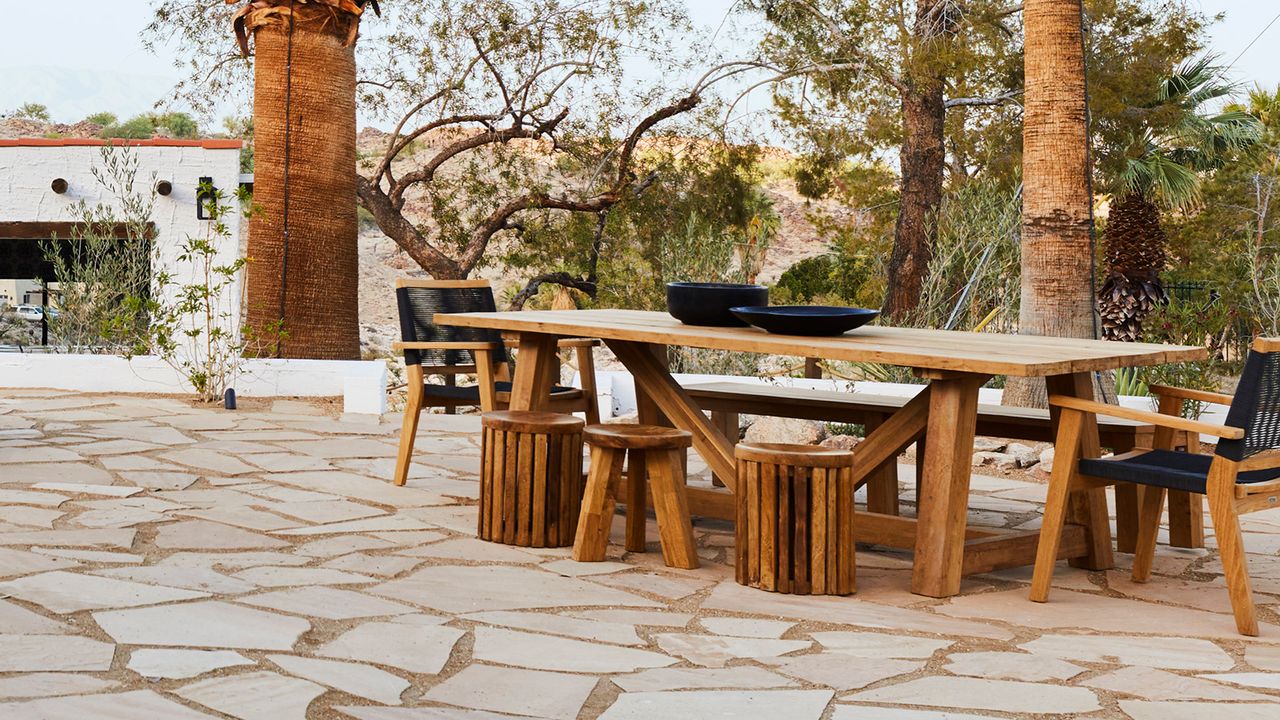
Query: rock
{"x": 786, "y": 430}
{"x": 628, "y": 419}
{"x": 986, "y": 444}
{"x": 841, "y": 442}
{"x": 1000, "y": 460}
{"x": 1046, "y": 460}
{"x": 1025, "y": 455}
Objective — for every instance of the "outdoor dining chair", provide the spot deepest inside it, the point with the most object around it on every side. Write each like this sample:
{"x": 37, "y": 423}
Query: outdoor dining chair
{"x": 1242, "y": 476}
{"x": 439, "y": 350}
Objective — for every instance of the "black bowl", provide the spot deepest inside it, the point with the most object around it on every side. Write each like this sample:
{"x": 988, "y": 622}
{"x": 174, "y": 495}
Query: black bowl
{"x": 809, "y": 320}
{"x": 709, "y": 303}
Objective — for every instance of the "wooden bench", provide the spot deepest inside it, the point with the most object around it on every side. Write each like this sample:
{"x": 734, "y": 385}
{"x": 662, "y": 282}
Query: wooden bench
{"x": 727, "y": 400}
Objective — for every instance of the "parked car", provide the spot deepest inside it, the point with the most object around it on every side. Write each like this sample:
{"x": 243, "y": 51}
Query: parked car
{"x": 29, "y": 312}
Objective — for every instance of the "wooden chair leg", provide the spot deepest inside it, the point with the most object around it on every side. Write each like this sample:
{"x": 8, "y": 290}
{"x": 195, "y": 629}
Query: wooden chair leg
{"x": 637, "y": 500}
{"x": 485, "y": 380}
{"x": 1128, "y": 516}
{"x": 1148, "y": 529}
{"x": 1055, "y": 509}
{"x": 671, "y": 506}
{"x": 1226, "y": 525}
{"x": 1186, "y": 519}
{"x": 409, "y": 428}
{"x": 596, "y": 517}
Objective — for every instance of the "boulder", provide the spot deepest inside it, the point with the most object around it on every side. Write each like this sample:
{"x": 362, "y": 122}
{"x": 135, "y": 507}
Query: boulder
{"x": 786, "y": 430}
{"x": 1024, "y": 454}
{"x": 1046, "y": 459}
{"x": 986, "y": 444}
{"x": 1003, "y": 461}
{"x": 841, "y": 442}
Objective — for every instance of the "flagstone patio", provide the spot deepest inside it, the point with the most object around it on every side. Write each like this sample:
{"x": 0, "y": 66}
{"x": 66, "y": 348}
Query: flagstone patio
{"x": 159, "y": 560}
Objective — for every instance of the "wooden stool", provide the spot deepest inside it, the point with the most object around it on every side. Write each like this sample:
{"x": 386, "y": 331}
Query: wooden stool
{"x": 657, "y": 455}
{"x": 795, "y": 519}
{"x": 530, "y": 478}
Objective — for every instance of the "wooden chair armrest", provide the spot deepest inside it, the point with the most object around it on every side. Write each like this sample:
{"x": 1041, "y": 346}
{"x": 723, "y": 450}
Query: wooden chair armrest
{"x": 579, "y": 342}
{"x": 1188, "y": 394}
{"x": 476, "y": 345}
{"x": 1169, "y": 421}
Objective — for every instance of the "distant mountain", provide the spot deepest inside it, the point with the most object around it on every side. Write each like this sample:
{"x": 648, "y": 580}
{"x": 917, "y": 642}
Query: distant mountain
{"x": 71, "y": 94}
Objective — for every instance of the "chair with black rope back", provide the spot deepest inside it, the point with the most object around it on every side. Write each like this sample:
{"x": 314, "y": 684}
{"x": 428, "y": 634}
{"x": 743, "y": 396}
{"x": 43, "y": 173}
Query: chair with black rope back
{"x": 431, "y": 349}
{"x": 1242, "y": 476}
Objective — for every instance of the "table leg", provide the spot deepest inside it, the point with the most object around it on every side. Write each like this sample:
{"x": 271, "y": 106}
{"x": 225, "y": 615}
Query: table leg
{"x": 944, "y": 492}
{"x": 1086, "y": 507}
{"x": 531, "y": 387}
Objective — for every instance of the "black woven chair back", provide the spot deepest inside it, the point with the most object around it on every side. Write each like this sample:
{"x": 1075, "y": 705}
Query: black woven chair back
{"x": 418, "y": 308}
{"x": 1255, "y": 407}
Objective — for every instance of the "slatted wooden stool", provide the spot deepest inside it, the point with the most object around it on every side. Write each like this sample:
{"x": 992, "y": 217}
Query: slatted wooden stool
{"x": 530, "y": 478}
{"x": 795, "y": 519}
{"x": 656, "y": 454}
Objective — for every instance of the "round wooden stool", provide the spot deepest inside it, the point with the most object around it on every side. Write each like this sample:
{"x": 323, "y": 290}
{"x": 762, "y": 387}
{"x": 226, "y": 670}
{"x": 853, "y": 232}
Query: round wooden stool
{"x": 795, "y": 519}
{"x": 656, "y": 455}
{"x": 530, "y": 478}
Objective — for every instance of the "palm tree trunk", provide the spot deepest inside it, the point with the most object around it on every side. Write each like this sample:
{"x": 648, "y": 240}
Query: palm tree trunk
{"x": 1057, "y": 206}
{"x": 305, "y": 275}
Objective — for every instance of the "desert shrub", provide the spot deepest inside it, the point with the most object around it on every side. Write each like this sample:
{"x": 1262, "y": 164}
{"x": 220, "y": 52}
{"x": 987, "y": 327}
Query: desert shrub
{"x": 837, "y": 278}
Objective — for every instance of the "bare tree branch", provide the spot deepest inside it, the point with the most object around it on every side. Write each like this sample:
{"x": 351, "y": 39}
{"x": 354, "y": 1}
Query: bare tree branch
{"x": 1000, "y": 99}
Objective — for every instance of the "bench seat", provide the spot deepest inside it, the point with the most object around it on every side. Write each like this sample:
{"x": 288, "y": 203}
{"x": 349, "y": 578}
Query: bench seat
{"x": 1016, "y": 423}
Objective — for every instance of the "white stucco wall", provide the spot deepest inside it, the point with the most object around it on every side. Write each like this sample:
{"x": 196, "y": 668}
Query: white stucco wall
{"x": 27, "y": 167}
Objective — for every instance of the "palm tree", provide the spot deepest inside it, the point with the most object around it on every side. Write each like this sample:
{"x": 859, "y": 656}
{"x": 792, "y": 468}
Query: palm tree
{"x": 303, "y": 276}
{"x": 1162, "y": 166}
{"x": 1057, "y": 217}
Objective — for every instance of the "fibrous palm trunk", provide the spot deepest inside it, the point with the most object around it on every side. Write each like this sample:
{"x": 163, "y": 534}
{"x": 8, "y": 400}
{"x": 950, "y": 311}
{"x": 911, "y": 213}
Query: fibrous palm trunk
{"x": 303, "y": 273}
{"x": 1135, "y": 255}
{"x": 1057, "y": 216}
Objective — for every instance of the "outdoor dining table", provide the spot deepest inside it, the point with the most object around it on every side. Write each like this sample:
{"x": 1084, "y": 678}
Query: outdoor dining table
{"x": 955, "y": 364}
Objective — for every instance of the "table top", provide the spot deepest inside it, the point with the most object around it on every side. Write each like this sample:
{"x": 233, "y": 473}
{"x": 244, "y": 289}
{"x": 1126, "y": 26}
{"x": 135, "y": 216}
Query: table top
{"x": 985, "y": 353}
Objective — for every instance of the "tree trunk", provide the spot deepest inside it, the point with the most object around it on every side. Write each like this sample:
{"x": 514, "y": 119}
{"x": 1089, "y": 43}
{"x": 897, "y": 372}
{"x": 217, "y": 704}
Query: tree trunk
{"x": 314, "y": 267}
{"x": 922, "y": 160}
{"x": 1057, "y": 206}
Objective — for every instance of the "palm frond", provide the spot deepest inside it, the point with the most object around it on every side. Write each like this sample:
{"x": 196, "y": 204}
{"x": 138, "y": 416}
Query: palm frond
{"x": 1160, "y": 176}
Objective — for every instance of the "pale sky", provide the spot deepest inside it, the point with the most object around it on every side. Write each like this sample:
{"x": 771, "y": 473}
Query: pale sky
{"x": 87, "y": 56}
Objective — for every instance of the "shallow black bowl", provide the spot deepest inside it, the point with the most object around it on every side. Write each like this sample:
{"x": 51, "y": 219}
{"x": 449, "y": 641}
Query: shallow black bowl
{"x": 811, "y": 320}
{"x": 709, "y": 303}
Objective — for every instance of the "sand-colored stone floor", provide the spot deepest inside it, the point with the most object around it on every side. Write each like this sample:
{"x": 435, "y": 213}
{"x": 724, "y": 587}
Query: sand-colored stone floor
{"x": 159, "y": 560}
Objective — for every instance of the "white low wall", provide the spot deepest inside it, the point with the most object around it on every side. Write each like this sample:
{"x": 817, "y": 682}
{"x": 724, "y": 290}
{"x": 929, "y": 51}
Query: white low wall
{"x": 362, "y": 384}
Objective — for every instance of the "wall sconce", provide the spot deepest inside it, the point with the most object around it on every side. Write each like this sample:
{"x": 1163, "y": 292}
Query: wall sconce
{"x": 206, "y": 194}
{"x": 164, "y": 187}
{"x": 58, "y": 185}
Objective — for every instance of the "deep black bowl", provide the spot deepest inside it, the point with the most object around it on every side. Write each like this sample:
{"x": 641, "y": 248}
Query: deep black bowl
{"x": 810, "y": 320}
{"x": 709, "y": 303}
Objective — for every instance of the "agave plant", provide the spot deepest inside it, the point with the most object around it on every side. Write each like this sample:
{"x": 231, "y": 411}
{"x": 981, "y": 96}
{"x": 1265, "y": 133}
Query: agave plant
{"x": 1162, "y": 168}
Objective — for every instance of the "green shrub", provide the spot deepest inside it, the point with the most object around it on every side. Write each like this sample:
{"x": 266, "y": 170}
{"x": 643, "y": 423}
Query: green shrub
{"x": 835, "y": 277}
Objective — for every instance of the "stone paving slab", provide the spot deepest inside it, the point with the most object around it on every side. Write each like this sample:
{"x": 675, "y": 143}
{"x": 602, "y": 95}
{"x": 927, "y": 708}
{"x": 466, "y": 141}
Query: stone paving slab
{"x": 175, "y": 561}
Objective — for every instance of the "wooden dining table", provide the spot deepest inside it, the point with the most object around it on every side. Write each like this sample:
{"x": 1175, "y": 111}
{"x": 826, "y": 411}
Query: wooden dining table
{"x": 954, "y": 364}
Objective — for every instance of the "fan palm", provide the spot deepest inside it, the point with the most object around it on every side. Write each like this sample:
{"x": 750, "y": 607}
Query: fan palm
{"x": 1162, "y": 167}
{"x": 303, "y": 282}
